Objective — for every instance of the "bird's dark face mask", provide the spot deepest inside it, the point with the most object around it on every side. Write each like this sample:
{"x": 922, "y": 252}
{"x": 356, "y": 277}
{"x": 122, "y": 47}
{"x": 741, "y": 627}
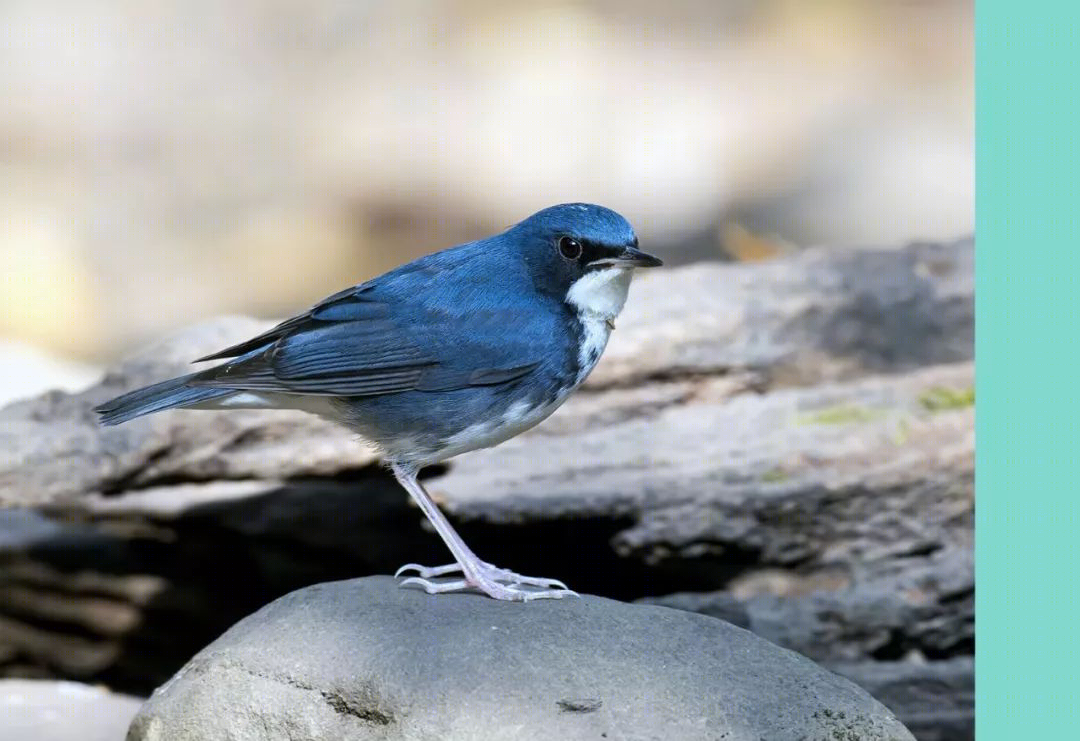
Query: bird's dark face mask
{"x": 579, "y": 256}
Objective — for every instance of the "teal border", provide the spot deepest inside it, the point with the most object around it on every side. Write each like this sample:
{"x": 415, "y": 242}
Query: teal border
{"x": 1027, "y": 335}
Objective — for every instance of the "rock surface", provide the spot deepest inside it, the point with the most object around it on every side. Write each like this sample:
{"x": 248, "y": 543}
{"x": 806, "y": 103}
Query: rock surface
{"x": 887, "y": 610}
{"x": 364, "y": 659}
{"x": 935, "y": 700}
{"x": 877, "y": 629}
{"x": 62, "y": 711}
{"x": 787, "y": 445}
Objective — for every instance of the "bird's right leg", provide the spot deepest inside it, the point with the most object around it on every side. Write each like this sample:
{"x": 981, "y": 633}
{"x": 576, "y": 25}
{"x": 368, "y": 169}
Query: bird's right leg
{"x": 477, "y": 573}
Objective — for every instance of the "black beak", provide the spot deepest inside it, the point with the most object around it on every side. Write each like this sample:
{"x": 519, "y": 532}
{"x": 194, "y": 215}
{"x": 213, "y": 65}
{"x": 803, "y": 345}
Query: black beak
{"x": 630, "y": 257}
{"x": 639, "y": 259}
{"x": 636, "y": 258}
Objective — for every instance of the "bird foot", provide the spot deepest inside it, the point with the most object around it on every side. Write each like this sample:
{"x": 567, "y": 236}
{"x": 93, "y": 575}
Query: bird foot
{"x": 497, "y": 583}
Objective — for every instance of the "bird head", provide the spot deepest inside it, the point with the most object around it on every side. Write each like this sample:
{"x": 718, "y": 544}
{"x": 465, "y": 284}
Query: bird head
{"x": 583, "y": 253}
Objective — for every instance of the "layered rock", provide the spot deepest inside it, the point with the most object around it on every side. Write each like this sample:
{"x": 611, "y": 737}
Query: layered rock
{"x": 787, "y": 445}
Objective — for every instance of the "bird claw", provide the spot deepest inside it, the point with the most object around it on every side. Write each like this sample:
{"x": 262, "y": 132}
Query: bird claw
{"x": 432, "y": 587}
{"x": 536, "y": 581}
{"x": 491, "y": 580}
{"x": 426, "y": 572}
{"x": 529, "y": 595}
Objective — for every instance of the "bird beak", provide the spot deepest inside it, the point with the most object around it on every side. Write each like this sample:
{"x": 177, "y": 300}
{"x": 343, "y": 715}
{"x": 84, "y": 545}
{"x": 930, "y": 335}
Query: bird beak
{"x": 630, "y": 257}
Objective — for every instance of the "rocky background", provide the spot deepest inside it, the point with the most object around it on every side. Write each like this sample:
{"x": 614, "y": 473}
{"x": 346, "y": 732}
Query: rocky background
{"x": 786, "y": 445}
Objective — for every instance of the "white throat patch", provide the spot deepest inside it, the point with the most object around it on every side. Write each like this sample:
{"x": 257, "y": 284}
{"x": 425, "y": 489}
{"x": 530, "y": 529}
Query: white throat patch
{"x": 600, "y": 292}
{"x": 598, "y": 297}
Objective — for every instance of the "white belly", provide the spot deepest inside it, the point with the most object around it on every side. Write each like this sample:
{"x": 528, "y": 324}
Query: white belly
{"x": 515, "y": 420}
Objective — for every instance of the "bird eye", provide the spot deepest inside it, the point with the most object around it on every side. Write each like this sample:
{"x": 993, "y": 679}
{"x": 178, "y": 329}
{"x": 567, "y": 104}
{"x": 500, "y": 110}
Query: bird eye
{"x": 569, "y": 248}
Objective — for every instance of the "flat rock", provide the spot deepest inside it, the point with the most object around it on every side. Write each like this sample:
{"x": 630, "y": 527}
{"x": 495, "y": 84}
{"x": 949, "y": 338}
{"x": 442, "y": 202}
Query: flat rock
{"x": 364, "y": 659}
{"x": 36, "y": 710}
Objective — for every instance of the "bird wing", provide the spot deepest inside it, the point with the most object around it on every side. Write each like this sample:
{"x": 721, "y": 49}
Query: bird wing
{"x": 390, "y": 335}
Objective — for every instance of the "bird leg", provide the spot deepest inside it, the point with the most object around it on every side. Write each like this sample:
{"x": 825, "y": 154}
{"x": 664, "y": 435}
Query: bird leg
{"x": 491, "y": 580}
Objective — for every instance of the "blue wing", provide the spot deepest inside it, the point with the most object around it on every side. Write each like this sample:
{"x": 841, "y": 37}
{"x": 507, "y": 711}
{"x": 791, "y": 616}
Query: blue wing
{"x": 441, "y": 323}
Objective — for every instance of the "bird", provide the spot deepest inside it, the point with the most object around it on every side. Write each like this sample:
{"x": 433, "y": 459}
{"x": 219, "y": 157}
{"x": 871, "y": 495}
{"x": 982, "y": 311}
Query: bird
{"x": 455, "y": 351}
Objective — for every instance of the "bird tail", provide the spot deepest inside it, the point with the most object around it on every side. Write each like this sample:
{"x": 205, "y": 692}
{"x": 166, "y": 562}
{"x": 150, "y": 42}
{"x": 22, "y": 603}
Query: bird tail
{"x": 165, "y": 395}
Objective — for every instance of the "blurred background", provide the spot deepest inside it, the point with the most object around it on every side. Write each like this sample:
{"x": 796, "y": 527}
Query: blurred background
{"x": 168, "y": 161}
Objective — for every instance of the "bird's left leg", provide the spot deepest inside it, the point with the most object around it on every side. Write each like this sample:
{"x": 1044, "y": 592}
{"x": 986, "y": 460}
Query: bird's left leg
{"x": 493, "y": 581}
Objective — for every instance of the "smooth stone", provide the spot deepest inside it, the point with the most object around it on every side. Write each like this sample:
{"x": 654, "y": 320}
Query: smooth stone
{"x": 366, "y": 659}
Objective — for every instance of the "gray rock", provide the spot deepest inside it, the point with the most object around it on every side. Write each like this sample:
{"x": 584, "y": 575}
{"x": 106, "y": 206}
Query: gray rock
{"x": 885, "y": 609}
{"x": 877, "y": 626}
{"x": 35, "y": 710}
{"x": 364, "y": 659}
{"x": 936, "y": 700}
{"x": 795, "y": 438}
{"x": 822, "y": 314}
{"x": 52, "y": 449}
{"x": 852, "y": 483}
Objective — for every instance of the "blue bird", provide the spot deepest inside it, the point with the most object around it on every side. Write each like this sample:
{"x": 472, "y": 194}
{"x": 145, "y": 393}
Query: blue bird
{"x": 458, "y": 350}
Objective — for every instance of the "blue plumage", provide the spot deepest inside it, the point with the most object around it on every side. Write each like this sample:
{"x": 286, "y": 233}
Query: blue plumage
{"x": 457, "y": 350}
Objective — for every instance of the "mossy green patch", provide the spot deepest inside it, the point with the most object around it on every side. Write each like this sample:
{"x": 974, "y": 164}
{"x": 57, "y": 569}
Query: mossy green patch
{"x": 775, "y": 476}
{"x": 902, "y": 433}
{"x": 940, "y": 398}
{"x": 844, "y": 414}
